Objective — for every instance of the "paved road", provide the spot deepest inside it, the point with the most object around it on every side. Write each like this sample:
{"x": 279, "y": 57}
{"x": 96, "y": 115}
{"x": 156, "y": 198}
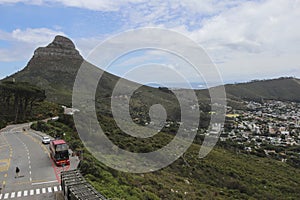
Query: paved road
{"x": 39, "y": 178}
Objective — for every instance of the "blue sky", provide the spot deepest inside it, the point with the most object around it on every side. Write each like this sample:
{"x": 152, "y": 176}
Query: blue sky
{"x": 245, "y": 39}
{"x": 73, "y": 21}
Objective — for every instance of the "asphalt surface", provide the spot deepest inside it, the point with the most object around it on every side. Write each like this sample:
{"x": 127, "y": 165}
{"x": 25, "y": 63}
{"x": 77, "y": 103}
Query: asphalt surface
{"x": 39, "y": 178}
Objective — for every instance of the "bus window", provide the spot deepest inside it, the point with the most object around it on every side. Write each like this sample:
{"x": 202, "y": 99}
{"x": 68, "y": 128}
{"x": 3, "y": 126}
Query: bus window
{"x": 61, "y": 155}
{"x": 61, "y": 147}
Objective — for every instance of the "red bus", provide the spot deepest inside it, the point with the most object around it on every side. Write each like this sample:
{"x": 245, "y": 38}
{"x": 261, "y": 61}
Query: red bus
{"x": 59, "y": 152}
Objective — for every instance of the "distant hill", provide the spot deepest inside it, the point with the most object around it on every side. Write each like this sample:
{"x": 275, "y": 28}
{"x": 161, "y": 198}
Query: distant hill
{"x": 285, "y": 89}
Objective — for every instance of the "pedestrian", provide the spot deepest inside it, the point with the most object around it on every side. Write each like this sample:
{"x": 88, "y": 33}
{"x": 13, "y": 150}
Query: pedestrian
{"x": 17, "y": 172}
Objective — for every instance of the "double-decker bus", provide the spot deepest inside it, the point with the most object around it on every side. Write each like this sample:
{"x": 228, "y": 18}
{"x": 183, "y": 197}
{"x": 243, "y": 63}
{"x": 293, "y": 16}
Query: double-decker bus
{"x": 59, "y": 152}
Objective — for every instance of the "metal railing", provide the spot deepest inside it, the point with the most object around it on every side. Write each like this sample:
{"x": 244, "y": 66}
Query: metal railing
{"x": 75, "y": 187}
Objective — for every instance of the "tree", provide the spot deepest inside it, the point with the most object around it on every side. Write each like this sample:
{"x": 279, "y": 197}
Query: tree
{"x": 18, "y": 98}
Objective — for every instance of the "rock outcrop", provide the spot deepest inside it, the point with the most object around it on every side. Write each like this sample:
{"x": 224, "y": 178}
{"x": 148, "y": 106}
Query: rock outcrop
{"x": 60, "y": 47}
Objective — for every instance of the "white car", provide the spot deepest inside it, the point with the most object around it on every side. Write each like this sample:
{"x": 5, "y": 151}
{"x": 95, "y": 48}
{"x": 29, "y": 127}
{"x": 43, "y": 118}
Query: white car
{"x": 45, "y": 140}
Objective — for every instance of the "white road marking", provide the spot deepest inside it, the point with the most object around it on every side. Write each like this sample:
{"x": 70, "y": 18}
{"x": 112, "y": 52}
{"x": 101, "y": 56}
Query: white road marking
{"x": 59, "y": 187}
{"x": 30, "y": 179}
{"x": 6, "y": 195}
{"x": 40, "y": 183}
{"x": 19, "y": 194}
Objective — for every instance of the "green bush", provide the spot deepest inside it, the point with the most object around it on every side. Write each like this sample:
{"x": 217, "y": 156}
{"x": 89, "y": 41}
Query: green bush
{"x": 2, "y": 124}
{"x": 223, "y": 174}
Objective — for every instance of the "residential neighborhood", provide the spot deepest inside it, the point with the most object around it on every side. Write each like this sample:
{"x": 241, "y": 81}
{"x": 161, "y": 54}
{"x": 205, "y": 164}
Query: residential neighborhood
{"x": 270, "y": 127}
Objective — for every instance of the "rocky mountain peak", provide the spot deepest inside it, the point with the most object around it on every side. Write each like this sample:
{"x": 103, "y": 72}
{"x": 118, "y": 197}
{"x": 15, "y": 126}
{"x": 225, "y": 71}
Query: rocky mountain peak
{"x": 61, "y": 47}
{"x": 63, "y": 42}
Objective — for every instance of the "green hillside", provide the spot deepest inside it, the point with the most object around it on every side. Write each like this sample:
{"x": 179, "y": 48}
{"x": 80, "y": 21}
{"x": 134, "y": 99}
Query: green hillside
{"x": 284, "y": 89}
{"x": 223, "y": 174}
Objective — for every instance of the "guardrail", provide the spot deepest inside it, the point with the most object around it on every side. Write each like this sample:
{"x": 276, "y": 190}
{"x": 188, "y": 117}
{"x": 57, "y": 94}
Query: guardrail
{"x": 75, "y": 187}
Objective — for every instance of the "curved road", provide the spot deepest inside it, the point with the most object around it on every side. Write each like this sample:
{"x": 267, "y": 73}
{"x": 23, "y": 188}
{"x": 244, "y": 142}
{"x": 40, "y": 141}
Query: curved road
{"x": 39, "y": 178}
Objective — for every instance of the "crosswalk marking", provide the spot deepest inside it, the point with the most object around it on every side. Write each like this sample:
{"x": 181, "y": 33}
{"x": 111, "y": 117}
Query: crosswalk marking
{"x": 6, "y": 195}
{"x": 12, "y": 195}
{"x": 18, "y": 194}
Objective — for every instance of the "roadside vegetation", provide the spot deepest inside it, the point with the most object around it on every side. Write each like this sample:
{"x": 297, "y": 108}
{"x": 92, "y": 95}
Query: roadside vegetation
{"x": 22, "y": 102}
{"x": 223, "y": 174}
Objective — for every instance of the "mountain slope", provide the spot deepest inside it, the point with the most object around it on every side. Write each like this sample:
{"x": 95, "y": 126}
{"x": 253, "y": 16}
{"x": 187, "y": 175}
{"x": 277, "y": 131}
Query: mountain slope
{"x": 53, "y": 68}
{"x": 285, "y": 89}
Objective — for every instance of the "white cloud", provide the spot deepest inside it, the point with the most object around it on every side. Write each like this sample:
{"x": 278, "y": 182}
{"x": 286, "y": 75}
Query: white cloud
{"x": 209, "y": 7}
{"x": 249, "y": 67}
{"x": 22, "y": 43}
{"x": 98, "y": 5}
{"x": 203, "y": 6}
{"x": 38, "y": 36}
{"x": 33, "y": 2}
{"x": 253, "y": 26}
{"x": 245, "y": 38}
{"x": 252, "y": 39}
{"x": 90, "y": 4}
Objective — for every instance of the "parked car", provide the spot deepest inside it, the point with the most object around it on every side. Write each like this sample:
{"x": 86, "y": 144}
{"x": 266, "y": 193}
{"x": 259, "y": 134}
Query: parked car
{"x": 45, "y": 140}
